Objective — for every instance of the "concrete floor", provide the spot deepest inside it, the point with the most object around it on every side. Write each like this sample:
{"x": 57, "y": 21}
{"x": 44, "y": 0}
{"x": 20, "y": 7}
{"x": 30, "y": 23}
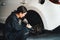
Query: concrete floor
{"x": 47, "y": 36}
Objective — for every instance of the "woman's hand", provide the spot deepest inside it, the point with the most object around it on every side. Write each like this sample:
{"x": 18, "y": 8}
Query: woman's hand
{"x": 28, "y": 26}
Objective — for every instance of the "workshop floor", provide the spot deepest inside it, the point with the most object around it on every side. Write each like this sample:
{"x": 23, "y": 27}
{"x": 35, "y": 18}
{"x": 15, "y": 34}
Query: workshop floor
{"x": 45, "y": 37}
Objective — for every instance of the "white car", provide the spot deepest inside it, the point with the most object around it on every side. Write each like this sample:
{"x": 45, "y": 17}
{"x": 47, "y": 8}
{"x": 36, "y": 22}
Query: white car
{"x": 46, "y": 15}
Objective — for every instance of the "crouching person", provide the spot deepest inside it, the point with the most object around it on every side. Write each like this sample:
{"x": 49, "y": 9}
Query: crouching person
{"x": 15, "y": 28}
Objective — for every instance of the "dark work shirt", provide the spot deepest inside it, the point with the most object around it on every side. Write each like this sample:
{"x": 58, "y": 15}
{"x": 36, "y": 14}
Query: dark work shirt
{"x": 15, "y": 28}
{"x": 12, "y": 22}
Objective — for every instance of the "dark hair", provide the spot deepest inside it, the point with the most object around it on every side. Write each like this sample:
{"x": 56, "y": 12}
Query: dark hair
{"x": 21, "y": 9}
